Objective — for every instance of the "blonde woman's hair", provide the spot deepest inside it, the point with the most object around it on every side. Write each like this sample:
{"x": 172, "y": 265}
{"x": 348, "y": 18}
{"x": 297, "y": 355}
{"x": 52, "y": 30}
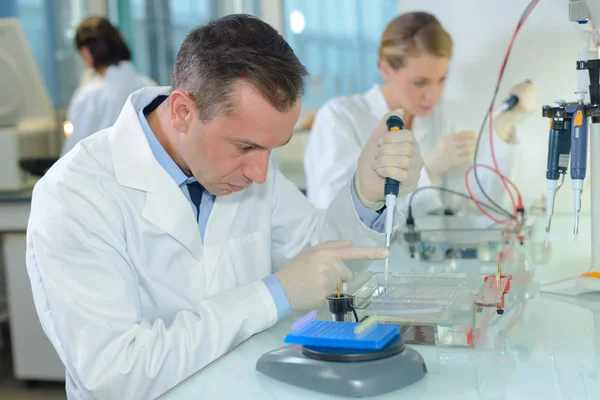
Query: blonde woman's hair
{"x": 412, "y": 33}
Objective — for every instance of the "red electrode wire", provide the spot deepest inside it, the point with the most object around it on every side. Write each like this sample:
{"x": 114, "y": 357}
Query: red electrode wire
{"x": 505, "y": 180}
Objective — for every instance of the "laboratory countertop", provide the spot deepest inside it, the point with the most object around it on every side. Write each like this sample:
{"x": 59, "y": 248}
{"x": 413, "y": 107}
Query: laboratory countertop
{"x": 539, "y": 349}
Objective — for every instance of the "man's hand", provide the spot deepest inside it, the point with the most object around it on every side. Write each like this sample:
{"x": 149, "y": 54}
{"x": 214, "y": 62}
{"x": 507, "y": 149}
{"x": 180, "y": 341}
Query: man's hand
{"x": 395, "y": 155}
{"x": 506, "y": 123}
{"x": 312, "y": 275}
{"x": 450, "y": 152}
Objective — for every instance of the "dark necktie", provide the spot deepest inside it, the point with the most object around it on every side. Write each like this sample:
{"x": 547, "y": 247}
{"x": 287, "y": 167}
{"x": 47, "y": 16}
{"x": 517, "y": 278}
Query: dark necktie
{"x": 195, "y": 190}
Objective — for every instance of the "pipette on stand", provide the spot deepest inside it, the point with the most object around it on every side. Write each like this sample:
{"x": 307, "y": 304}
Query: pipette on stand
{"x": 578, "y": 156}
{"x": 392, "y": 186}
{"x": 559, "y": 147}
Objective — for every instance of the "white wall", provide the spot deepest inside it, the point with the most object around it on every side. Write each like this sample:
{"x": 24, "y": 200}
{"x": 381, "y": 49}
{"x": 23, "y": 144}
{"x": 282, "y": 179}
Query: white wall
{"x": 272, "y": 13}
{"x": 97, "y": 7}
{"x": 545, "y": 51}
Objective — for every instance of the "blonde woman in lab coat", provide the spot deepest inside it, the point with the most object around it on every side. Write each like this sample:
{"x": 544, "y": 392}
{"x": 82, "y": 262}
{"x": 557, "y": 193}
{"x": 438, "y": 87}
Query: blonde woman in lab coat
{"x": 96, "y": 104}
{"x": 414, "y": 58}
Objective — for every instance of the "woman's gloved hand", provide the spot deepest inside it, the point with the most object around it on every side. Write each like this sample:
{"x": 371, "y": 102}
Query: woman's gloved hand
{"x": 387, "y": 154}
{"x": 450, "y": 152}
{"x": 506, "y": 123}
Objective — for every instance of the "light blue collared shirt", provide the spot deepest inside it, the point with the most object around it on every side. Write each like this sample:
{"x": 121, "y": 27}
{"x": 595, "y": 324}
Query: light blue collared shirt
{"x": 180, "y": 178}
{"x": 370, "y": 218}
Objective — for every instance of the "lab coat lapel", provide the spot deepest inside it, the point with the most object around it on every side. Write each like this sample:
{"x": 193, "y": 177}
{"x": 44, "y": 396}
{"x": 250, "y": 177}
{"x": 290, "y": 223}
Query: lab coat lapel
{"x": 135, "y": 167}
{"x": 220, "y": 229}
{"x": 171, "y": 211}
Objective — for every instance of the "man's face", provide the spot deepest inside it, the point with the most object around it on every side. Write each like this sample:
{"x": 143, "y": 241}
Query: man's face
{"x": 228, "y": 154}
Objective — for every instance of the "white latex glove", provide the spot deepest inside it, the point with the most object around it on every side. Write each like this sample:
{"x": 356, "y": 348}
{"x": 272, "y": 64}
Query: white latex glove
{"x": 505, "y": 124}
{"x": 387, "y": 154}
{"x": 312, "y": 275}
{"x": 451, "y": 152}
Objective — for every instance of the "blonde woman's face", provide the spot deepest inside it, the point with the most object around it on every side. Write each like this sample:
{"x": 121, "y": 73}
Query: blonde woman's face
{"x": 418, "y": 85}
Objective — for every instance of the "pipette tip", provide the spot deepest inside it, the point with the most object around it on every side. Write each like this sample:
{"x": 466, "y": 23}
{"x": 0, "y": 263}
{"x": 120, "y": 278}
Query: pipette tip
{"x": 547, "y": 239}
{"x": 385, "y": 276}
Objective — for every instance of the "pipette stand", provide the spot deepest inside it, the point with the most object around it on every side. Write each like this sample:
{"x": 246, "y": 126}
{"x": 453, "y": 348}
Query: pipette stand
{"x": 592, "y": 110}
{"x": 593, "y": 284}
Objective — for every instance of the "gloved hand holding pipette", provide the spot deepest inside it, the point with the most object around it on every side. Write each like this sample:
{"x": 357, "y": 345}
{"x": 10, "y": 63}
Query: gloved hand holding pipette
{"x": 395, "y": 155}
{"x": 522, "y": 101}
{"x": 389, "y": 166}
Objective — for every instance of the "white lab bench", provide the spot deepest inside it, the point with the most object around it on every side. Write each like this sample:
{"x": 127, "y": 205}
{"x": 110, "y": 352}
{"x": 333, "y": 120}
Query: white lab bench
{"x": 34, "y": 357}
{"x": 541, "y": 349}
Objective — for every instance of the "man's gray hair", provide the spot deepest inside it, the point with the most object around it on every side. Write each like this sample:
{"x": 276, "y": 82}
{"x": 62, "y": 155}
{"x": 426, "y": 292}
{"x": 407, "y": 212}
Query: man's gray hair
{"x": 215, "y": 56}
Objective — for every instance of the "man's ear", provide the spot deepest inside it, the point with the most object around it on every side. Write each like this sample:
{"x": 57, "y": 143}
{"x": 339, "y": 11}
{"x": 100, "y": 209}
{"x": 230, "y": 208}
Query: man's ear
{"x": 181, "y": 109}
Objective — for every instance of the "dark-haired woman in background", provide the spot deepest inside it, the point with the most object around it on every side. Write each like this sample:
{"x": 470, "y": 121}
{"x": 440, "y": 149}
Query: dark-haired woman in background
{"x": 96, "y": 105}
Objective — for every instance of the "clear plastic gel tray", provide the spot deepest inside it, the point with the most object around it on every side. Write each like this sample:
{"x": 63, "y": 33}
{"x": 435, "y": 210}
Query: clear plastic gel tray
{"x": 438, "y": 309}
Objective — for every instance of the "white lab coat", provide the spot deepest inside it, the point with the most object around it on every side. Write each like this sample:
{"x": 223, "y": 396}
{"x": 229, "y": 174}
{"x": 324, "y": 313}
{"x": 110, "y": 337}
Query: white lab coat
{"x": 343, "y": 126}
{"x": 87, "y": 76}
{"x": 97, "y": 103}
{"x": 131, "y": 297}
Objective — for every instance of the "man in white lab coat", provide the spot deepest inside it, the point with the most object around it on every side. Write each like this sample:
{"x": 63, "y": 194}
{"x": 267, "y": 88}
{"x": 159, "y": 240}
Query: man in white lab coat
{"x": 159, "y": 244}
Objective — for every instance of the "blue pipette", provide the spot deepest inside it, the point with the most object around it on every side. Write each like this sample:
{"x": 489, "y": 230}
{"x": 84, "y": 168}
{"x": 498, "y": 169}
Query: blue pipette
{"x": 391, "y": 189}
{"x": 559, "y": 149}
{"x": 578, "y": 158}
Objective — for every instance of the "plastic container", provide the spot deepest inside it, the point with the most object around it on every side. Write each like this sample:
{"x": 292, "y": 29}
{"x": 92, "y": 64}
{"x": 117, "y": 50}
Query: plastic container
{"x": 341, "y": 335}
{"x": 433, "y": 309}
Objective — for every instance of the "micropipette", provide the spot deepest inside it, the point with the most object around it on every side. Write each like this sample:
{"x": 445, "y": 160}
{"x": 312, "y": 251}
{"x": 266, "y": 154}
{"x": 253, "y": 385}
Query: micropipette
{"x": 507, "y": 104}
{"x": 578, "y": 159}
{"x": 559, "y": 147}
{"x": 392, "y": 186}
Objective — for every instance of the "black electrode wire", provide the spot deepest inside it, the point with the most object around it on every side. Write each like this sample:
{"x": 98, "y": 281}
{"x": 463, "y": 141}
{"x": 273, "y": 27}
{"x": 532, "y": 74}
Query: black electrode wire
{"x": 443, "y": 189}
{"x": 355, "y": 315}
{"x": 503, "y": 210}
